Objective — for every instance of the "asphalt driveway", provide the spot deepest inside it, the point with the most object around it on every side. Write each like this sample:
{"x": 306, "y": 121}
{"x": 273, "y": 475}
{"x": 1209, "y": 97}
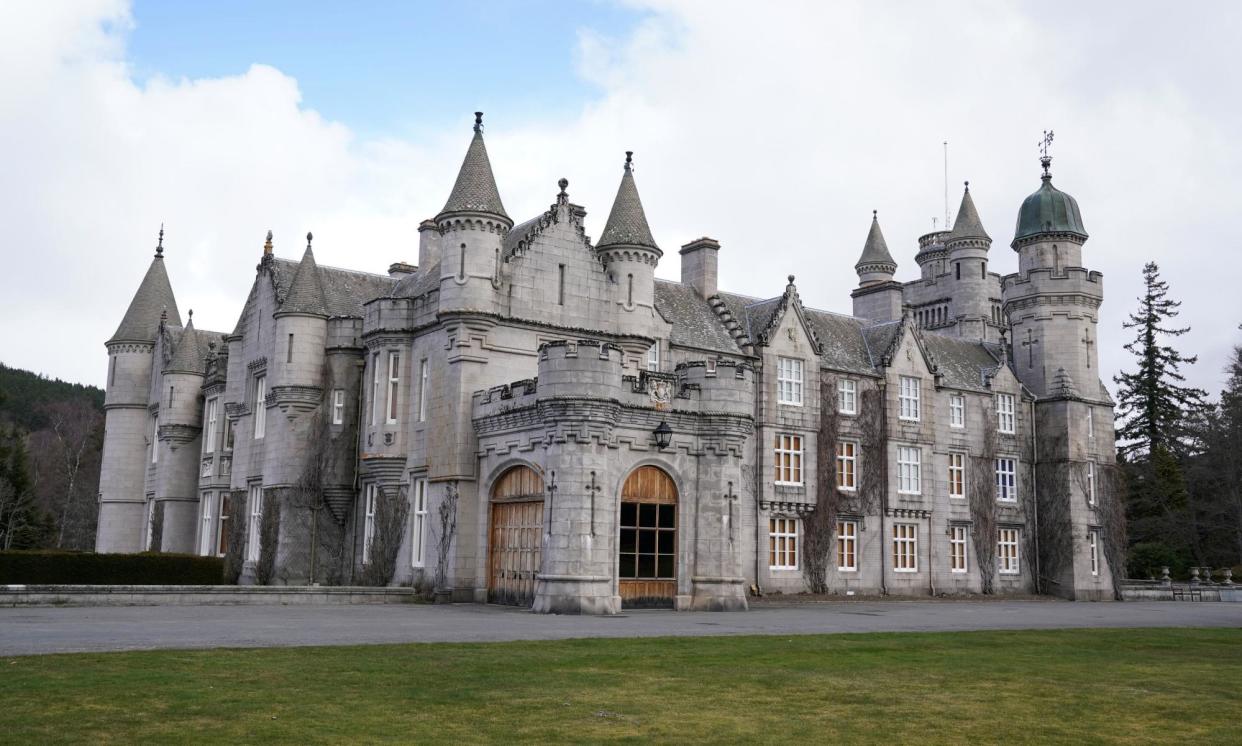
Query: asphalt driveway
{"x": 34, "y": 630}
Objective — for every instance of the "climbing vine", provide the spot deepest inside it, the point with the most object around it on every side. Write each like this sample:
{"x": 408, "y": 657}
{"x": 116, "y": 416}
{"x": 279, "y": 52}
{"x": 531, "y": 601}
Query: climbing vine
{"x": 981, "y": 494}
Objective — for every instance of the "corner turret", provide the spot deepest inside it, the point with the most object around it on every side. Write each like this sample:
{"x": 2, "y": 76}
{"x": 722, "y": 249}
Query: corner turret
{"x": 629, "y": 254}
{"x": 878, "y": 296}
{"x": 972, "y": 307}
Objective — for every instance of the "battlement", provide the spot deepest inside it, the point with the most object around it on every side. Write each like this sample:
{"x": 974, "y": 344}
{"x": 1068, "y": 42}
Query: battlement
{"x": 1046, "y": 280}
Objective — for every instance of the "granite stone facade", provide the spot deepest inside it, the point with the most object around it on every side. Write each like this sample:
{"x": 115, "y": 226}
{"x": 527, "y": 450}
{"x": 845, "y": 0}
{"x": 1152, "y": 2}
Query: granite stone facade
{"x": 517, "y": 382}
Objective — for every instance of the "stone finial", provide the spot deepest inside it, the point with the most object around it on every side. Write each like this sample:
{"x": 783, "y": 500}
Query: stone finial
{"x": 629, "y": 160}
{"x": 159, "y": 247}
{"x": 309, "y": 237}
{"x": 478, "y": 121}
{"x": 267, "y": 245}
{"x": 1164, "y": 575}
{"x": 791, "y": 280}
{"x": 563, "y": 183}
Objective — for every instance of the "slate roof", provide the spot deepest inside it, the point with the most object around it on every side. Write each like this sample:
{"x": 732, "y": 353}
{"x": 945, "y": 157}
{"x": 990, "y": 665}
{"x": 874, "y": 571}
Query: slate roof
{"x": 306, "y": 294}
{"x": 142, "y": 319}
{"x": 967, "y": 224}
{"x": 875, "y": 250}
{"x": 344, "y": 290}
{"x": 844, "y": 346}
{"x": 694, "y": 322}
{"x": 475, "y": 189}
{"x": 189, "y": 347}
{"x": 417, "y": 284}
{"x": 627, "y": 222}
{"x": 962, "y": 363}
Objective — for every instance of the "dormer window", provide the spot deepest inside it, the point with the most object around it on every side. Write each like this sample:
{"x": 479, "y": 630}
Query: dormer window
{"x": 908, "y": 399}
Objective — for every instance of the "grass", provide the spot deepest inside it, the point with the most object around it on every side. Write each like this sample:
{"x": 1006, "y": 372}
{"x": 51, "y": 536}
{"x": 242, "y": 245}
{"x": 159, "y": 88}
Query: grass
{"x": 1034, "y": 687}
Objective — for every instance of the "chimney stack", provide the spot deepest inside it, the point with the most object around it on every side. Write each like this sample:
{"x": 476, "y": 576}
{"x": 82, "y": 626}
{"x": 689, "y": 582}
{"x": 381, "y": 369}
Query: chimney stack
{"x": 428, "y": 244}
{"x": 401, "y": 269}
{"x": 699, "y": 259}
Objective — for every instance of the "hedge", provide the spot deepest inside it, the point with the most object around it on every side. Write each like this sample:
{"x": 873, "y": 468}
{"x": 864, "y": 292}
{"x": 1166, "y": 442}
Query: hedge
{"x": 42, "y": 567}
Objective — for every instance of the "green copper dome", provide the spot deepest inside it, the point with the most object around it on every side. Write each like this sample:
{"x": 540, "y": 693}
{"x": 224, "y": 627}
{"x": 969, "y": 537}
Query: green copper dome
{"x": 1049, "y": 210}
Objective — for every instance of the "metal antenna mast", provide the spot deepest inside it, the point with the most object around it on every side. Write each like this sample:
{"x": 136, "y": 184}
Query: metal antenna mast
{"x": 946, "y": 184}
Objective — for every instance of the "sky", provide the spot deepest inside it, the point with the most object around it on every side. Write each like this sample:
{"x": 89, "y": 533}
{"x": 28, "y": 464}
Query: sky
{"x": 774, "y": 127}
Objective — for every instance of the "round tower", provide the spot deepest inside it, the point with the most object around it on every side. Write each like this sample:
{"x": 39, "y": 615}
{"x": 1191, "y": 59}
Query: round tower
{"x": 878, "y": 296}
{"x": 180, "y": 432}
{"x": 629, "y": 254}
{"x": 472, "y": 228}
{"x": 968, "y": 244}
{"x": 933, "y": 256}
{"x": 128, "y": 425}
{"x": 1052, "y": 302}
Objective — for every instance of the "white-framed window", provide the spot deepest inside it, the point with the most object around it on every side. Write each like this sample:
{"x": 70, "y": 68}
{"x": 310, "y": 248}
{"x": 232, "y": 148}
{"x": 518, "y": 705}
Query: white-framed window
{"x": 371, "y": 494}
{"x": 957, "y": 411}
{"x": 1090, "y": 423}
{"x": 254, "y": 522}
{"x": 418, "y": 529}
{"x": 909, "y": 470}
{"x": 423, "y": 377}
{"x": 394, "y": 386}
{"x": 1091, "y": 483}
{"x": 847, "y": 546}
{"x": 957, "y": 475}
{"x": 230, "y": 426}
{"x": 847, "y": 396}
{"x": 789, "y": 381}
{"x": 847, "y": 465}
{"x": 957, "y": 548}
{"x": 653, "y": 357}
{"x": 206, "y": 537}
{"x": 338, "y": 406}
{"x": 155, "y": 438}
{"x": 908, "y": 398}
{"x": 222, "y": 524}
{"x": 905, "y": 547}
{"x": 1006, "y": 479}
{"x": 1005, "y": 413}
{"x": 375, "y": 389}
{"x": 260, "y": 407}
{"x": 788, "y": 454}
{"x": 1007, "y": 551}
{"x": 209, "y": 425}
{"x": 1093, "y": 546}
{"x": 783, "y": 543}
{"x": 149, "y": 520}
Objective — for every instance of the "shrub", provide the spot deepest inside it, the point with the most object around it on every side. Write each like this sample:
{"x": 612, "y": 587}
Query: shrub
{"x": 85, "y": 568}
{"x": 1146, "y": 558}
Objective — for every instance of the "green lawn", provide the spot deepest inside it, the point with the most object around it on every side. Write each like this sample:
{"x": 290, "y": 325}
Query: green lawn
{"x": 1037, "y": 687}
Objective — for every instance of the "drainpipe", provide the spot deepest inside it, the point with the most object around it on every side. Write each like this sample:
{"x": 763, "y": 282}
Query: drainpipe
{"x": 1035, "y": 493}
{"x": 883, "y": 386}
{"x": 353, "y": 546}
{"x": 758, "y": 470}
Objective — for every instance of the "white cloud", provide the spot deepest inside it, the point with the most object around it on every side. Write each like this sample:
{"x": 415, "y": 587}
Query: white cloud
{"x": 774, "y": 127}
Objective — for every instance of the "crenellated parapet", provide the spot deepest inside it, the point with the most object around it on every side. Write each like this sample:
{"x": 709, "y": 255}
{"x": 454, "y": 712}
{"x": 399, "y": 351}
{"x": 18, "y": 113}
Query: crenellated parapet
{"x": 1025, "y": 293}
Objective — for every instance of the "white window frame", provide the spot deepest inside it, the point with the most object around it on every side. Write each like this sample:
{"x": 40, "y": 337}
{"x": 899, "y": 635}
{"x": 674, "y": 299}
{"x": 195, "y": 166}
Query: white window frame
{"x": 1006, "y": 479}
{"x": 957, "y": 411}
{"x": 418, "y": 527}
{"x": 957, "y": 475}
{"x": 958, "y": 549}
{"x": 209, "y": 424}
{"x": 909, "y": 470}
{"x": 424, "y": 375}
{"x": 260, "y": 407}
{"x": 1090, "y": 423}
{"x": 1006, "y": 418}
{"x": 155, "y": 439}
{"x": 1093, "y": 548}
{"x": 394, "y": 387}
{"x": 338, "y": 406}
{"x": 789, "y": 381}
{"x": 254, "y": 522}
{"x": 370, "y": 496}
{"x": 908, "y": 399}
{"x": 847, "y": 546}
{"x": 148, "y": 519}
{"x": 782, "y": 543}
{"x": 905, "y": 547}
{"x": 375, "y": 389}
{"x": 1091, "y": 483}
{"x": 222, "y": 519}
{"x": 787, "y": 453}
{"x": 847, "y": 396}
{"x": 847, "y": 465}
{"x": 207, "y": 518}
{"x": 1008, "y": 551}
{"x": 653, "y": 357}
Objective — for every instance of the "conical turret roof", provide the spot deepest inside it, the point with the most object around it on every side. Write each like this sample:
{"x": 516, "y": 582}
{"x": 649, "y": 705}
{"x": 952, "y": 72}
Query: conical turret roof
{"x": 968, "y": 224}
{"x": 142, "y": 318}
{"x": 306, "y": 290}
{"x": 627, "y": 223}
{"x": 475, "y": 189}
{"x": 189, "y": 356}
{"x": 875, "y": 250}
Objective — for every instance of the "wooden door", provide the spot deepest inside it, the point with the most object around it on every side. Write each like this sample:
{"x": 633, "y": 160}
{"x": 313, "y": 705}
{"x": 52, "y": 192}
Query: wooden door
{"x": 516, "y": 537}
{"x": 647, "y": 548}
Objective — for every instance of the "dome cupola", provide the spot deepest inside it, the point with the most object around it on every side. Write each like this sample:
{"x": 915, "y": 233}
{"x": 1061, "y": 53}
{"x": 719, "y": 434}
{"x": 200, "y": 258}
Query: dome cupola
{"x": 1048, "y": 211}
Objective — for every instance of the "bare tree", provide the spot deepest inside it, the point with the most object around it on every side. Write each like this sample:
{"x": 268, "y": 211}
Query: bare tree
{"x": 157, "y": 527}
{"x": 269, "y": 538}
{"x": 447, "y": 514}
{"x": 235, "y": 547}
{"x": 70, "y": 445}
{"x": 981, "y": 490}
{"x": 392, "y": 508}
{"x": 819, "y": 525}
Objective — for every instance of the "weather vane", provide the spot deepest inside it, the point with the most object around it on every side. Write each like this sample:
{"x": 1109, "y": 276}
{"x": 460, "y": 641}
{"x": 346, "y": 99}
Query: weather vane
{"x": 1044, "y": 159}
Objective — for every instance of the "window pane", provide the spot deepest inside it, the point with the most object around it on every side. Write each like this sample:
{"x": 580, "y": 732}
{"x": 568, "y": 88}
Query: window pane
{"x": 628, "y": 540}
{"x": 668, "y": 516}
{"x": 666, "y": 566}
{"x": 646, "y": 542}
{"x": 629, "y": 514}
{"x": 647, "y": 514}
{"x": 646, "y": 566}
{"x": 667, "y": 542}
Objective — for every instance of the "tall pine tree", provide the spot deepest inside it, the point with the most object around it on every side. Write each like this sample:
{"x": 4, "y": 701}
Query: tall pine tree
{"x": 1154, "y": 406}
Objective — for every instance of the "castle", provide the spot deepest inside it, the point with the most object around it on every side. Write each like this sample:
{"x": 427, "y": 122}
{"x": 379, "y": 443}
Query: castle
{"x": 564, "y": 431}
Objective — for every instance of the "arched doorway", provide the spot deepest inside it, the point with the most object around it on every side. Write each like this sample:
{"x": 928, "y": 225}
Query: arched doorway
{"x": 647, "y": 547}
{"x": 516, "y": 537}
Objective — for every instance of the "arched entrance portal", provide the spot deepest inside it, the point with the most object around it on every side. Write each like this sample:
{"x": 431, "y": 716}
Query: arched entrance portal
{"x": 647, "y": 556}
{"x": 515, "y": 537}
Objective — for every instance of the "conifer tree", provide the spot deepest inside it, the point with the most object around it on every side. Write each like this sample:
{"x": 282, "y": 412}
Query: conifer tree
{"x": 1154, "y": 405}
